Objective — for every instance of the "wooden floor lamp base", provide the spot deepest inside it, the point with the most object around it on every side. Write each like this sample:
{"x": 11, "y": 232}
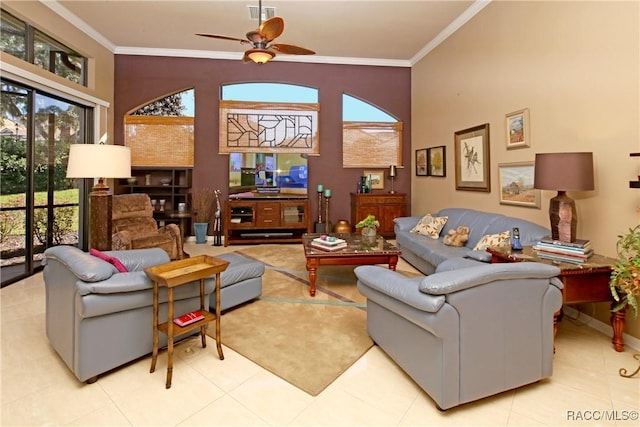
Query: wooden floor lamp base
{"x": 100, "y": 200}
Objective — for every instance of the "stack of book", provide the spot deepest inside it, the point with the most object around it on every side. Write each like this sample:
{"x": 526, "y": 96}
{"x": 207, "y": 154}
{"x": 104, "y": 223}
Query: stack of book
{"x": 328, "y": 245}
{"x": 576, "y": 252}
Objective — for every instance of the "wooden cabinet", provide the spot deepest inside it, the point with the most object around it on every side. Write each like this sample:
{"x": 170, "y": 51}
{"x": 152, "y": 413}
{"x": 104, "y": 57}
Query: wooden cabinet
{"x": 266, "y": 220}
{"x": 171, "y": 184}
{"x": 385, "y": 207}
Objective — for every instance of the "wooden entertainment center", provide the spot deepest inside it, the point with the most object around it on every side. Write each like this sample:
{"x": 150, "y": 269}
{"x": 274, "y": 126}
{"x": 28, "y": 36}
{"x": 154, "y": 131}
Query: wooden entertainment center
{"x": 267, "y": 219}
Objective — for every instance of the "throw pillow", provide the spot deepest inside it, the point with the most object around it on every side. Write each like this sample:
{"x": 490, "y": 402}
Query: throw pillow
{"x": 430, "y": 225}
{"x": 111, "y": 260}
{"x": 494, "y": 241}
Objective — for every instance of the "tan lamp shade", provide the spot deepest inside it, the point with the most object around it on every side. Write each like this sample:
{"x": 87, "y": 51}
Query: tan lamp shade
{"x": 99, "y": 161}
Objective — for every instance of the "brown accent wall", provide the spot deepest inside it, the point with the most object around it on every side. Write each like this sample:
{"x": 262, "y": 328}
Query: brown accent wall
{"x": 140, "y": 79}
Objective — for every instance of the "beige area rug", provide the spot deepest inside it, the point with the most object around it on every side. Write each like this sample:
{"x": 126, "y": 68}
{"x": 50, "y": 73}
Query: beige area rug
{"x": 307, "y": 341}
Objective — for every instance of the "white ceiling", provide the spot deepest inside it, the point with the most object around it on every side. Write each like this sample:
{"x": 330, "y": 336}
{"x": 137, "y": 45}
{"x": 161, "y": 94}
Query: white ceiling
{"x": 395, "y": 33}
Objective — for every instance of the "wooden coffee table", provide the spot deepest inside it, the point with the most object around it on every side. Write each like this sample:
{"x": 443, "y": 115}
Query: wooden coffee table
{"x": 359, "y": 251}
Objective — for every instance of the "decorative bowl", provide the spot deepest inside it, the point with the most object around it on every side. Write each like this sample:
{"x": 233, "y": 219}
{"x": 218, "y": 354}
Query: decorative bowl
{"x": 132, "y": 180}
{"x": 165, "y": 181}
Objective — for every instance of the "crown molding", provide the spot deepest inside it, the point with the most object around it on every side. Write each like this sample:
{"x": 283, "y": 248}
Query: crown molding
{"x": 469, "y": 13}
{"x": 210, "y": 54}
{"x": 79, "y": 23}
{"x": 457, "y": 23}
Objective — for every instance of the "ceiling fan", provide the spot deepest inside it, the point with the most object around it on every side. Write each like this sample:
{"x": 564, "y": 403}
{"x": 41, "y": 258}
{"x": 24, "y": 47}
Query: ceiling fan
{"x": 261, "y": 40}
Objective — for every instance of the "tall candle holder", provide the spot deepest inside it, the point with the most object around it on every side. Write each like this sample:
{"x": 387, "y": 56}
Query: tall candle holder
{"x": 327, "y": 196}
{"x": 320, "y": 207}
{"x": 319, "y": 226}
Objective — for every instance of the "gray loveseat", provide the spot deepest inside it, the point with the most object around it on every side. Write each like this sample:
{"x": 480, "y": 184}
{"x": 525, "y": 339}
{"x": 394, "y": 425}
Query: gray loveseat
{"x": 466, "y": 333}
{"x": 425, "y": 253}
{"x": 98, "y": 318}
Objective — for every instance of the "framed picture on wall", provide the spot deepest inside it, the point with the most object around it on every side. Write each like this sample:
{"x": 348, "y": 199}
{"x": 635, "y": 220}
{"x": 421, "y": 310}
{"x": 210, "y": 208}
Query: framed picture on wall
{"x": 472, "y": 159}
{"x": 517, "y": 129}
{"x": 421, "y": 162}
{"x": 375, "y": 178}
{"x": 437, "y": 161}
{"x": 516, "y": 185}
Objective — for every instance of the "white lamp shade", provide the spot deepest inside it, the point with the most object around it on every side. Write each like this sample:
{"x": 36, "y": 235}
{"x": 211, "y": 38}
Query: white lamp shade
{"x": 99, "y": 161}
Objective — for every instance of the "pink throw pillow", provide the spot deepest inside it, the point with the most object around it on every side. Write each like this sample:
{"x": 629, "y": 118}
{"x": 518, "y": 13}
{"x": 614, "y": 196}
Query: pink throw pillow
{"x": 111, "y": 260}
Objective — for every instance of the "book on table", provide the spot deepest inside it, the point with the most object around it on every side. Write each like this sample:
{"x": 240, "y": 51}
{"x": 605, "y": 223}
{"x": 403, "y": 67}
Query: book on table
{"x": 329, "y": 243}
{"x": 578, "y": 243}
{"x": 560, "y": 258}
{"x": 562, "y": 250}
{"x": 328, "y": 248}
{"x": 189, "y": 318}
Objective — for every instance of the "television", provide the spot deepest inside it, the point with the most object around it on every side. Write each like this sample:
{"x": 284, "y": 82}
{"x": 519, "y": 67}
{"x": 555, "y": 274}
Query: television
{"x": 267, "y": 174}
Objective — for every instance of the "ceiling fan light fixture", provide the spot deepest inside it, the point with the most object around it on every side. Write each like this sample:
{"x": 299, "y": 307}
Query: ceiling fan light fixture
{"x": 260, "y": 56}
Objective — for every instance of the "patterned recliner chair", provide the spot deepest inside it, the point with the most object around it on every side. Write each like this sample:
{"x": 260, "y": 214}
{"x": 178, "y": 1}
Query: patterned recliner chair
{"x": 135, "y": 228}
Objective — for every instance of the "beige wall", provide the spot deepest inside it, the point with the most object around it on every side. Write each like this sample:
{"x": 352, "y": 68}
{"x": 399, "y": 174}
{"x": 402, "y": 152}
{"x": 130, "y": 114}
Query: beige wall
{"x": 101, "y": 68}
{"x": 575, "y": 65}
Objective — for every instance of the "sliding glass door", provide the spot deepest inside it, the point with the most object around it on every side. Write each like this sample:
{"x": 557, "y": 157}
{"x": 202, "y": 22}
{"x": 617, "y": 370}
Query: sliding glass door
{"x": 39, "y": 207}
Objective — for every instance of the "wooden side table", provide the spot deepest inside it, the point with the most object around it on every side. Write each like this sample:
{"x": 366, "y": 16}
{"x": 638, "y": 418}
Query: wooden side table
{"x": 171, "y": 275}
{"x": 588, "y": 282}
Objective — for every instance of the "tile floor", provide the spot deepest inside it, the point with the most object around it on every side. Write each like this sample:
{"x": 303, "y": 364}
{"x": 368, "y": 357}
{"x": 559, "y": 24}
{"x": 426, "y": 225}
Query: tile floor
{"x": 38, "y": 389}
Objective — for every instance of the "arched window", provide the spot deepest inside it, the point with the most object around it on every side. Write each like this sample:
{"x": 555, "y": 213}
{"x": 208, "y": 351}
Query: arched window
{"x": 161, "y": 133}
{"x": 371, "y": 138}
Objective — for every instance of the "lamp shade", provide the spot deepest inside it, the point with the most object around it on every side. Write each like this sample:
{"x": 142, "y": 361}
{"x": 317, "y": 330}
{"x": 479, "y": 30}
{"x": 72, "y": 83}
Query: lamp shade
{"x": 99, "y": 161}
{"x": 260, "y": 56}
{"x": 564, "y": 171}
{"x": 393, "y": 171}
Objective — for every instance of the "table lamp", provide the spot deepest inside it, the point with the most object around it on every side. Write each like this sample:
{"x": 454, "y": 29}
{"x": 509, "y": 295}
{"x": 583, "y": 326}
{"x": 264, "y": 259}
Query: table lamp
{"x": 392, "y": 174}
{"x": 99, "y": 161}
{"x": 563, "y": 172}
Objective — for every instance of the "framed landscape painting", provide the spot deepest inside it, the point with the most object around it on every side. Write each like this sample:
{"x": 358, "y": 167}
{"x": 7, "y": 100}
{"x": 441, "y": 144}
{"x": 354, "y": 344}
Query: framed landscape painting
{"x": 472, "y": 159}
{"x": 437, "y": 165}
{"x": 516, "y": 185}
{"x": 517, "y": 129}
{"x": 375, "y": 179}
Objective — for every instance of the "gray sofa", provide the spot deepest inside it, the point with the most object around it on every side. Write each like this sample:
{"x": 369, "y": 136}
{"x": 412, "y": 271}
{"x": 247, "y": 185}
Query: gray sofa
{"x": 98, "y": 318}
{"x": 425, "y": 253}
{"x": 465, "y": 333}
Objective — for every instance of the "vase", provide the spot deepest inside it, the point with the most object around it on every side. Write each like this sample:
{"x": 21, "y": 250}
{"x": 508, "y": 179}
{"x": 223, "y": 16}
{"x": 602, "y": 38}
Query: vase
{"x": 369, "y": 232}
{"x": 200, "y": 229}
{"x": 342, "y": 226}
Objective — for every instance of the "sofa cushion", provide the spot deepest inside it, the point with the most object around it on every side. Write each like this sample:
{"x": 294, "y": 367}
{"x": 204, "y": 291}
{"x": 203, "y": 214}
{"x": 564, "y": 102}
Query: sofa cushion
{"x": 431, "y": 250}
{"x": 405, "y": 223}
{"x": 482, "y": 256}
{"x": 84, "y": 266}
{"x": 477, "y": 221}
{"x": 450, "y": 281}
{"x": 430, "y": 226}
{"x": 240, "y": 269}
{"x": 123, "y": 282}
{"x": 497, "y": 241}
{"x": 530, "y": 233}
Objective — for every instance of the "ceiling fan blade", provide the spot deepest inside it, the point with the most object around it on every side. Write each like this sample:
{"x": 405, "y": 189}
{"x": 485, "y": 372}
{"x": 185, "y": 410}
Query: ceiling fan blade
{"x": 271, "y": 28}
{"x": 216, "y": 36}
{"x": 291, "y": 49}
